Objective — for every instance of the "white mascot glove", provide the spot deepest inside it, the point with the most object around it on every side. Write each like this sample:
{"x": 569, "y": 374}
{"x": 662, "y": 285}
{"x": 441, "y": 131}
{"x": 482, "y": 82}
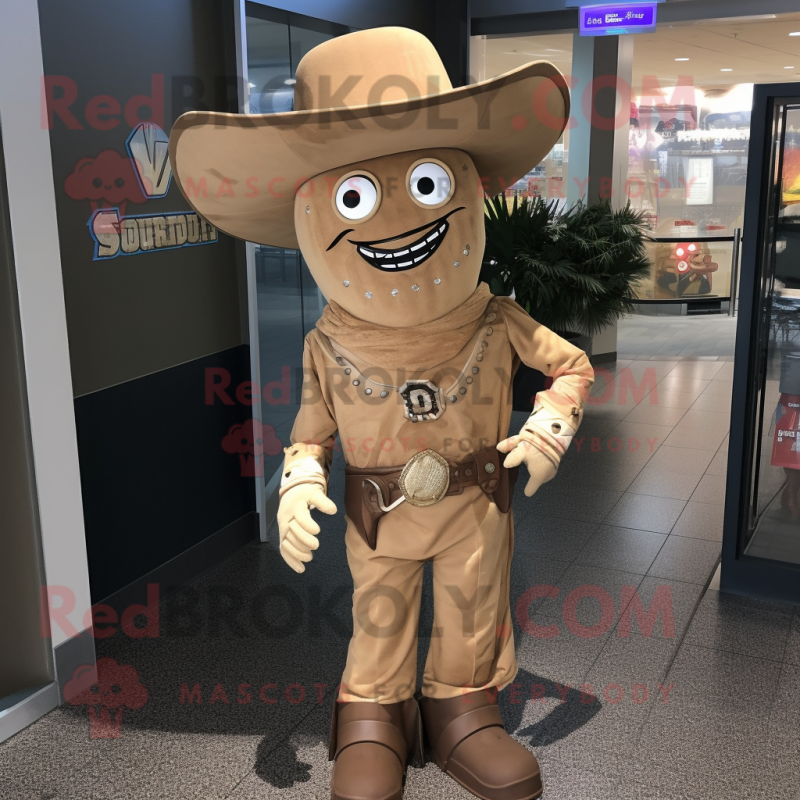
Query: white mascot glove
{"x": 543, "y": 429}
{"x": 302, "y": 488}
{"x": 298, "y": 531}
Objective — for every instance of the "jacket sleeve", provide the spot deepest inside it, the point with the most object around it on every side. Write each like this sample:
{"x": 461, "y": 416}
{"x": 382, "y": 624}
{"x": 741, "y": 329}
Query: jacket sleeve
{"x": 542, "y": 349}
{"x": 308, "y": 458}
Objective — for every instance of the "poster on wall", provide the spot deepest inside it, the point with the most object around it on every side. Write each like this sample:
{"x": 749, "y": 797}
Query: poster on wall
{"x": 700, "y": 182}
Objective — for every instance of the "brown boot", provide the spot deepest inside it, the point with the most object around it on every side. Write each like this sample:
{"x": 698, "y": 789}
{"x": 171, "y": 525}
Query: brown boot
{"x": 471, "y": 745}
{"x": 371, "y": 744}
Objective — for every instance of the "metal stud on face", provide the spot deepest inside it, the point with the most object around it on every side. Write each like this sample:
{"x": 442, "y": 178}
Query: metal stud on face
{"x": 384, "y": 394}
{"x": 489, "y": 331}
{"x": 347, "y": 371}
{"x": 466, "y": 252}
{"x": 456, "y": 263}
{"x": 346, "y": 283}
{"x": 368, "y": 295}
{"x": 340, "y": 361}
{"x": 367, "y": 391}
{"x": 415, "y": 288}
{"x": 308, "y": 209}
{"x": 453, "y": 398}
{"x": 476, "y": 370}
{"x": 394, "y": 292}
{"x": 491, "y": 317}
{"x": 437, "y": 281}
{"x": 479, "y": 357}
{"x": 470, "y": 379}
{"x": 462, "y": 390}
{"x": 356, "y": 383}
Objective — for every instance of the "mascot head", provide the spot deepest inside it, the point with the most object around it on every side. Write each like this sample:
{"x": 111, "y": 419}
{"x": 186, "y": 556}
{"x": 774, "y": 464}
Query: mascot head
{"x": 378, "y": 174}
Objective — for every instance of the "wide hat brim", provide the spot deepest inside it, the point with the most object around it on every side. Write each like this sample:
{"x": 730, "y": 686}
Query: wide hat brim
{"x": 241, "y": 172}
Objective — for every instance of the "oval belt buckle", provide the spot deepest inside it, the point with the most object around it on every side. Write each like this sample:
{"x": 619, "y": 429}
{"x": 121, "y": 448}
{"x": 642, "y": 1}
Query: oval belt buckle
{"x": 425, "y": 478}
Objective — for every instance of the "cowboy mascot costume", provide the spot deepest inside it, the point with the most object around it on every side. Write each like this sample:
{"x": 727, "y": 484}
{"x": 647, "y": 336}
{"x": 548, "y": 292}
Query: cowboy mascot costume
{"x": 411, "y": 364}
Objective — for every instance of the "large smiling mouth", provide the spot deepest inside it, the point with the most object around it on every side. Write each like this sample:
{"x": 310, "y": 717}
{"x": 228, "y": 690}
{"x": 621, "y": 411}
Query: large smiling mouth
{"x": 409, "y": 255}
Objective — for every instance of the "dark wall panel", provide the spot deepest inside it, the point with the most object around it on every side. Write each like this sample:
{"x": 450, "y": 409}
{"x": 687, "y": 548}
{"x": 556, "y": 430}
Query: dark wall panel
{"x": 416, "y": 14}
{"x": 109, "y": 66}
{"x": 155, "y": 477}
{"x": 452, "y": 38}
{"x": 499, "y": 8}
{"x": 143, "y": 327}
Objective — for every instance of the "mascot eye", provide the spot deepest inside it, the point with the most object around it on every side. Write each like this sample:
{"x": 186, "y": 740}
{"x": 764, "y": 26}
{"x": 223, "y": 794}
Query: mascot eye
{"x": 119, "y": 183}
{"x": 356, "y": 197}
{"x": 97, "y": 183}
{"x": 430, "y": 184}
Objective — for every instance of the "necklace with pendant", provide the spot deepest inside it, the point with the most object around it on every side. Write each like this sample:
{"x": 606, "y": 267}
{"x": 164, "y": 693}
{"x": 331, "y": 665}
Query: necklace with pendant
{"x": 423, "y": 400}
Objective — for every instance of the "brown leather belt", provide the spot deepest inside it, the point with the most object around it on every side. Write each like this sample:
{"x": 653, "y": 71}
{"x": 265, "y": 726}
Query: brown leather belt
{"x": 363, "y": 505}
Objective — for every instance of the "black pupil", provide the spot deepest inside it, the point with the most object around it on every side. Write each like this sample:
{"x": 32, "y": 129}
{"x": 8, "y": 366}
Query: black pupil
{"x": 119, "y": 183}
{"x": 425, "y": 185}
{"x": 351, "y": 198}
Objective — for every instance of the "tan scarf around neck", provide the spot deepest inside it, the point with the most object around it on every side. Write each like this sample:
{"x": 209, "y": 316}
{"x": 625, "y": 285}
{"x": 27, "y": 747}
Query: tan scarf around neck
{"x": 419, "y": 347}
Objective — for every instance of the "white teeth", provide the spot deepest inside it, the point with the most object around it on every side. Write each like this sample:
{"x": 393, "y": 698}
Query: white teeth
{"x": 389, "y": 256}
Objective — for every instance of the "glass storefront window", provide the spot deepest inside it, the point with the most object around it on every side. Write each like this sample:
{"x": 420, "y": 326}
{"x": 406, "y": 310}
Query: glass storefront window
{"x": 288, "y": 300}
{"x": 688, "y": 138}
{"x": 492, "y": 57}
{"x": 774, "y": 529}
{"x": 687, "y": 163}
{"x": 269, "y": 66}
{"x": 687, "y": 168}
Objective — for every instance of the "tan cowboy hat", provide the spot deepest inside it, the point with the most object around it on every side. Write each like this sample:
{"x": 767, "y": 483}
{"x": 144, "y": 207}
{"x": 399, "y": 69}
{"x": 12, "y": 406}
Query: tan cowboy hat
{"x": 360, "y": 96}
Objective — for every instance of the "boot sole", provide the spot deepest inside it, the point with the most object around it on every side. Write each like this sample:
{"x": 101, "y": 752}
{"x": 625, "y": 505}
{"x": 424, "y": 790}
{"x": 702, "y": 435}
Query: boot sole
{"x": 486, "y": 797}
{"x": 400, "y": 796}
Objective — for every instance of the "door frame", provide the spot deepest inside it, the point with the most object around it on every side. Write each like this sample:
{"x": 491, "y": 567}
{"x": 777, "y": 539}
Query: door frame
{"x": 267, "y": 497}
{"x": 743, "y": 574}
{"x": 45, "y": 366}
{"x": 266, "y": 493}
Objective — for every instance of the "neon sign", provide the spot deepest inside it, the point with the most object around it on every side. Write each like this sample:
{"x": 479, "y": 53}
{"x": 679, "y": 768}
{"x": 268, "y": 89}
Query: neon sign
{"x": 621, "y": 18}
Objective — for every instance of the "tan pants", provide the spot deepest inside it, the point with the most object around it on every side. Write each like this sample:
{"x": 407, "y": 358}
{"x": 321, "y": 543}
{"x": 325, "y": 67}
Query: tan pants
{"x": 472, "y": 646}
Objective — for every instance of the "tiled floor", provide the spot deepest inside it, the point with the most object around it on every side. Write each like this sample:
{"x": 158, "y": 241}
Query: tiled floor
{"x": 697, "y": 702}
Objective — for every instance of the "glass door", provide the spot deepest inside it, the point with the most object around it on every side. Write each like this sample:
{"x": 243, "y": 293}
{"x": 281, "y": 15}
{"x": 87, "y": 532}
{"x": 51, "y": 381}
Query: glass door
{"x": 284, "y": 301}
{"x": 761, "y": 550}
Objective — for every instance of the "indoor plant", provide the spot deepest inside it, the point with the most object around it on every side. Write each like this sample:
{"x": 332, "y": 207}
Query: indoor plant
{"x": 572, "y": 271}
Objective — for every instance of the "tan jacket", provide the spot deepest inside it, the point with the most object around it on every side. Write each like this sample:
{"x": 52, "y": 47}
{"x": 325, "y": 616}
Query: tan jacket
{"x": 373, "y": 430}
